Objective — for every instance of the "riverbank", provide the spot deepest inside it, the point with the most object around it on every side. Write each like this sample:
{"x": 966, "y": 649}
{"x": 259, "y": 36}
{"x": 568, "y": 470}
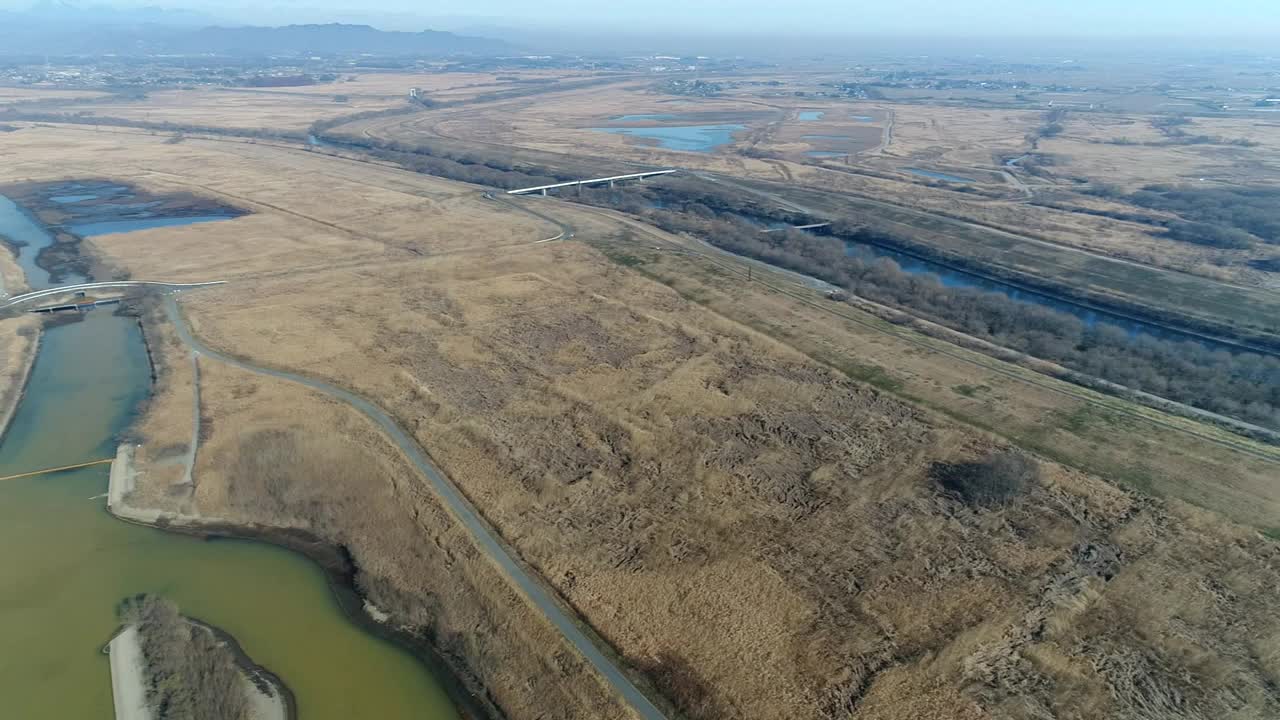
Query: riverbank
{"x": 334, "y": 561}
{"x": 19, "y": 344}
{"x": 128, "y": 689}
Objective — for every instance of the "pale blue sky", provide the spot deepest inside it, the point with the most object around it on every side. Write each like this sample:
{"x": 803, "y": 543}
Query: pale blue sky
{"x": 842, "y": 17}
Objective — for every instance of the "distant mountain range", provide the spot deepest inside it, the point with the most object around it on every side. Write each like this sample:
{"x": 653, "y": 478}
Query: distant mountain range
{"x": 60, "y": 29}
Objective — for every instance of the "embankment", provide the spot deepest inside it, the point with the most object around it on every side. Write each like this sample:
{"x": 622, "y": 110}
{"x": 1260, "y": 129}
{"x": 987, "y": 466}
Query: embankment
{"x": 334, "y": 560}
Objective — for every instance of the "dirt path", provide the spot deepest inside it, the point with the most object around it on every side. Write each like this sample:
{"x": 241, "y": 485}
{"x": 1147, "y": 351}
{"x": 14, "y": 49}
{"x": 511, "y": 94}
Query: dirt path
{"x": 485, "y": 538}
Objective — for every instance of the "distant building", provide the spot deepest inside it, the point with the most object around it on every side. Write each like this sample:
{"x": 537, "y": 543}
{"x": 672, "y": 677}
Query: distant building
{"x": 414, "y": 93}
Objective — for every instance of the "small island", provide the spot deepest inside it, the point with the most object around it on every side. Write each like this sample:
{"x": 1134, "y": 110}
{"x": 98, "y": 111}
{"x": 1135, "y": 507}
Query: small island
{"x": 166, "y": 666}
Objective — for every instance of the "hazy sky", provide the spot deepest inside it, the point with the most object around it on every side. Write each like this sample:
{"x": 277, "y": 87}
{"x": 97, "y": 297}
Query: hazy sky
{"x": 828, "y": 17}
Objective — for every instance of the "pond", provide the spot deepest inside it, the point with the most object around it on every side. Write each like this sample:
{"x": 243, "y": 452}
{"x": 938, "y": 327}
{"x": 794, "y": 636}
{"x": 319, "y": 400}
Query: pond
{"x": 642, "y": 118}
{"x": 108, "y": 227}
{"x": 939, "y": 176}
{"x": 688, "y": 138}
{"x": 811, "y": 115}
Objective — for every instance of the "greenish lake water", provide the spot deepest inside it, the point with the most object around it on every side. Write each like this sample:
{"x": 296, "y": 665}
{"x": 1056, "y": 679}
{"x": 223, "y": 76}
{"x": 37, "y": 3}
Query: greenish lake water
{"x": 69, "y": 563}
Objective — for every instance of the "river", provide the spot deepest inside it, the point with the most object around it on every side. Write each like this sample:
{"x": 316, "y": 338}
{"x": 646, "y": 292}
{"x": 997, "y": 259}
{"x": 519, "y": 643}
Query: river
{"x": 951, "y": 277}
{"x": 70, "y": 563}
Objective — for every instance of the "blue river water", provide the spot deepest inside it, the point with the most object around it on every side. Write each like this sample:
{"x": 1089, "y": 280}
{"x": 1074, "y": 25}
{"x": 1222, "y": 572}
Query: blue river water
{"x": 939, "y": 176}
{"x": 107, "y": 227}
{"x": 950, "y": 277}
{"x": 689, "y": 138}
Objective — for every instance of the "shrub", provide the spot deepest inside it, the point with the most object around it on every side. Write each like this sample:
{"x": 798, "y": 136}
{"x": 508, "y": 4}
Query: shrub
{"x": 995, "y": 480}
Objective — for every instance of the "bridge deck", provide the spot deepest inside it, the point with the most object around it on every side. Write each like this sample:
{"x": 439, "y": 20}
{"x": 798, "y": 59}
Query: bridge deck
{"x": 592, "y": 181}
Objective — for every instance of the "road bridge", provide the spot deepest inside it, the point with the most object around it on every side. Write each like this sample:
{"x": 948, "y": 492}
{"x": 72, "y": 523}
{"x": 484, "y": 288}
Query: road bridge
{"x": 814, "y": 226}
{"x": 84, "y": 287}
{"x": 542, "y": 189}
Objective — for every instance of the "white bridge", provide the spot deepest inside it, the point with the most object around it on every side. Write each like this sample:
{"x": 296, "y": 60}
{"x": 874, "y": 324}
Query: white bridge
{"x": 594, "y": 181}
{"x": 37, "y": 294}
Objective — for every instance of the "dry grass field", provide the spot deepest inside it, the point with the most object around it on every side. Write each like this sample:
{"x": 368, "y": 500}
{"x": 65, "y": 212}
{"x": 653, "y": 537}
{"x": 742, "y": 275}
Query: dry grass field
{"x": 26, "y": 94}
{"x": 1087, "y": 149}
{"x": 691, "y": 461}
{"x": 275, "y": 454}
{"x": 679, "y": 479}
{"x": 239, "y": 108}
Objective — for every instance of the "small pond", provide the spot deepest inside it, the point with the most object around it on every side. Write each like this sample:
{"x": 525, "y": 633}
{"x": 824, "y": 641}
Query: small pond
{"x": 642, "y": 118}
{"x": 108, "y": 227}
{"x": 939, "y": 176}
{"x": 811, "y": 115}
{"x": 689, "y": 138}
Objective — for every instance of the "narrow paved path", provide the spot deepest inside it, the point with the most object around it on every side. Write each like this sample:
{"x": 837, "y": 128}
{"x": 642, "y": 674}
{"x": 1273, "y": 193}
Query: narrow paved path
{"x": 461, "y": 508}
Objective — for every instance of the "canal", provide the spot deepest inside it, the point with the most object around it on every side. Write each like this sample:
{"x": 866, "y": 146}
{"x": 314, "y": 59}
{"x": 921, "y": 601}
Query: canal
{"x": 69, "y": 563}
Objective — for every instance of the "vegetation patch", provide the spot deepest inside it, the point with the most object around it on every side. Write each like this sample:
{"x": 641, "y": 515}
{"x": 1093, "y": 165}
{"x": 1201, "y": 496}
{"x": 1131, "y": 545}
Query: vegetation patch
{"x": 970, "y": 390}
{"x": 189, "y": 673}
{"x": 992, "y": 481}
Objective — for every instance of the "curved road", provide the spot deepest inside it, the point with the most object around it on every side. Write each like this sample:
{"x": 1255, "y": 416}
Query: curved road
{"x": 37, "y": 294}
{"x": 461, "y": 508}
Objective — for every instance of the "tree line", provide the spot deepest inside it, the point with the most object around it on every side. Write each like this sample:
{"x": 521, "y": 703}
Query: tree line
{"x": 1224, "y": 217}
{"x": 1242, "y": 385}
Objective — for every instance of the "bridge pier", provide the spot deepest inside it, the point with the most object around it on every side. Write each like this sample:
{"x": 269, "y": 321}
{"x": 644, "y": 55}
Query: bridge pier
{"x": 544, "y": 192}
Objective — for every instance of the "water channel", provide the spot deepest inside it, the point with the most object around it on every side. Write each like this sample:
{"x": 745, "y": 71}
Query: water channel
{"x": 951, "y": 277}
{"x": 70, "y": 563}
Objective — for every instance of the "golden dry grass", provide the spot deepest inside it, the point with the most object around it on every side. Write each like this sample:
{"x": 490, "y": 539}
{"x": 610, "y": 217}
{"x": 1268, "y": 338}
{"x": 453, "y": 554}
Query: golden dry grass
{"x": 274, "y": 453}
{"x": 755, "y": 531}
{"x": 236, "y": 108}
{"x": 14, "y": 95}
{"x": 1084, "y": 150}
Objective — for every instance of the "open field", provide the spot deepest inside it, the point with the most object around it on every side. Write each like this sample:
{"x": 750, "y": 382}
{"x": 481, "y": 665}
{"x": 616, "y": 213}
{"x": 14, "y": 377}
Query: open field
{"x": 274, "y": 454}
{"x": 15, "y": 95}
{"x": 1088, "y": 149}
{"x": 675, "y": 469}
{"x": 735, "y": 483}
{"x": 241, "y": 109}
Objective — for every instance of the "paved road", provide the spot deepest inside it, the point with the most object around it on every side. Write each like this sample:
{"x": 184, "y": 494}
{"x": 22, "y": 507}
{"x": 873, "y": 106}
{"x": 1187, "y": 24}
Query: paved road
{"x": 461, "y": 508}
{"x": 37, "y": 294}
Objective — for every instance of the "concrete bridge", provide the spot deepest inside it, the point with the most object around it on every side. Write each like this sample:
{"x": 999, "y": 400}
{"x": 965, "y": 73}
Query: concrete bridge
{"x": 85, "y": 287}
{"x": 542, "y": 189}
{"x": 814, "y": 226}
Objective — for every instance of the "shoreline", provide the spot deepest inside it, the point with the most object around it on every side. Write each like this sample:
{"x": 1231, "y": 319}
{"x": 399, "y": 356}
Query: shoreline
{"x": 23, "y": 379}
{"x": 11, "y": 280}
{"x": 335, "y": 562}
{"x": 128, "y": 691}
{"x": 269, "y": 695}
